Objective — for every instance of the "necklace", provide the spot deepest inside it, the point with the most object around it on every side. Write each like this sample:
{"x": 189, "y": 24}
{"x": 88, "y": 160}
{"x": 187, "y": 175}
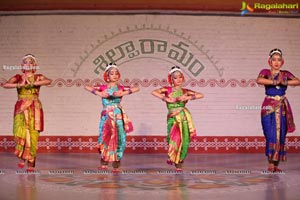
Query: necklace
{"x": 274, "y": 74}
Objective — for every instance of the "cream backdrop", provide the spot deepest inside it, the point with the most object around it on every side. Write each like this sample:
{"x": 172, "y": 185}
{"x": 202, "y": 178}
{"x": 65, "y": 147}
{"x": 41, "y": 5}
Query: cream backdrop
{"x": 221, "y": 57}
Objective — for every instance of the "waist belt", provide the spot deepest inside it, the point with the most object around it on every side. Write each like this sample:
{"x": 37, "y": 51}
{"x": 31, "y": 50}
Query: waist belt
{"x": 277, "y": 97}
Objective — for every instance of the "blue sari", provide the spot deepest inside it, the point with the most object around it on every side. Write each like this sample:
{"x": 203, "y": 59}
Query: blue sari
{"x": 276, "y": 116}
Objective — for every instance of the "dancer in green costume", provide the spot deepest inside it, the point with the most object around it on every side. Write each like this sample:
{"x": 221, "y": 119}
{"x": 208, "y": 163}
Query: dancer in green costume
{"x": 180, "y": 126}
{"x": 28, "y": 114}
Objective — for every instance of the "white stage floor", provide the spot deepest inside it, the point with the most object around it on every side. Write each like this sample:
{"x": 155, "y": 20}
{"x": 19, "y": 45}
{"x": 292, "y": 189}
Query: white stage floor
{"x": 147, "y": 176}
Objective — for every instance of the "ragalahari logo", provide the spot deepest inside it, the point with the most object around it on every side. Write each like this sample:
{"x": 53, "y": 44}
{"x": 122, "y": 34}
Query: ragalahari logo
{"x": 246, "y": 8}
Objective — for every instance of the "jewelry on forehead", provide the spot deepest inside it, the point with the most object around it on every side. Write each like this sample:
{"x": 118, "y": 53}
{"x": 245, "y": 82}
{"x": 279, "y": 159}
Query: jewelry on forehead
{"x": 174, "y": 69}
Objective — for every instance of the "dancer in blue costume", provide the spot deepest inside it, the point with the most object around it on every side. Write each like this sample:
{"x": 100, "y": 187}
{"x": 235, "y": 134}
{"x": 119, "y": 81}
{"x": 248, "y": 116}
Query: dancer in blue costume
{"x": 114, "y": 122}
{"x": 276, "y": 113}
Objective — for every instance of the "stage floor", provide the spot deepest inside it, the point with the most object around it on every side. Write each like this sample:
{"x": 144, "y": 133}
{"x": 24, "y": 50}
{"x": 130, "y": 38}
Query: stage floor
{"x": 147, "y": 176}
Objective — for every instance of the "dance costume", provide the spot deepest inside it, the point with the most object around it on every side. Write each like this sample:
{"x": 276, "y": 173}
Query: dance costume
{"x": 276, "y": 116}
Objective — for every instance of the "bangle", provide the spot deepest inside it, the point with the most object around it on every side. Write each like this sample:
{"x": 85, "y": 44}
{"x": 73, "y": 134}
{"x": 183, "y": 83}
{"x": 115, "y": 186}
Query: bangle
{"x": 285, "y": 82}
{"x": 274, "y": 82}
{"x": 18, "y": 85}
{"x": 94, "y": 91}
{"x": 129, "y": 91}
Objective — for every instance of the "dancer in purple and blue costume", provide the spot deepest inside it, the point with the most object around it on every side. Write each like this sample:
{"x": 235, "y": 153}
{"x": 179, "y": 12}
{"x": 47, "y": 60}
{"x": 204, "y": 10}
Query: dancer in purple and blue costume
{"x": 276, "y": 114}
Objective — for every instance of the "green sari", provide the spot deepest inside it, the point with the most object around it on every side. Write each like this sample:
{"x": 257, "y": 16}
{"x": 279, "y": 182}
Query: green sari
{"x": 28, "y": 121}
{"x": 180, "y": 127}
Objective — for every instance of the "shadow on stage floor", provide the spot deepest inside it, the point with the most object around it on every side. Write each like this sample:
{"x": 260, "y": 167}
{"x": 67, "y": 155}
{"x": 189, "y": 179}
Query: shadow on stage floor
{"x": 147, "y": 176}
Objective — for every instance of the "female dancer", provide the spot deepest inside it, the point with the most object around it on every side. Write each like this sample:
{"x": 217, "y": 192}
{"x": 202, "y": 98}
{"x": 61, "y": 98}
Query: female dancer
{"x": 28, "y": 114}
{"x": 276, "y": 113}
{"x": 114, "y": 122}
{"x": 180, "y": 127}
